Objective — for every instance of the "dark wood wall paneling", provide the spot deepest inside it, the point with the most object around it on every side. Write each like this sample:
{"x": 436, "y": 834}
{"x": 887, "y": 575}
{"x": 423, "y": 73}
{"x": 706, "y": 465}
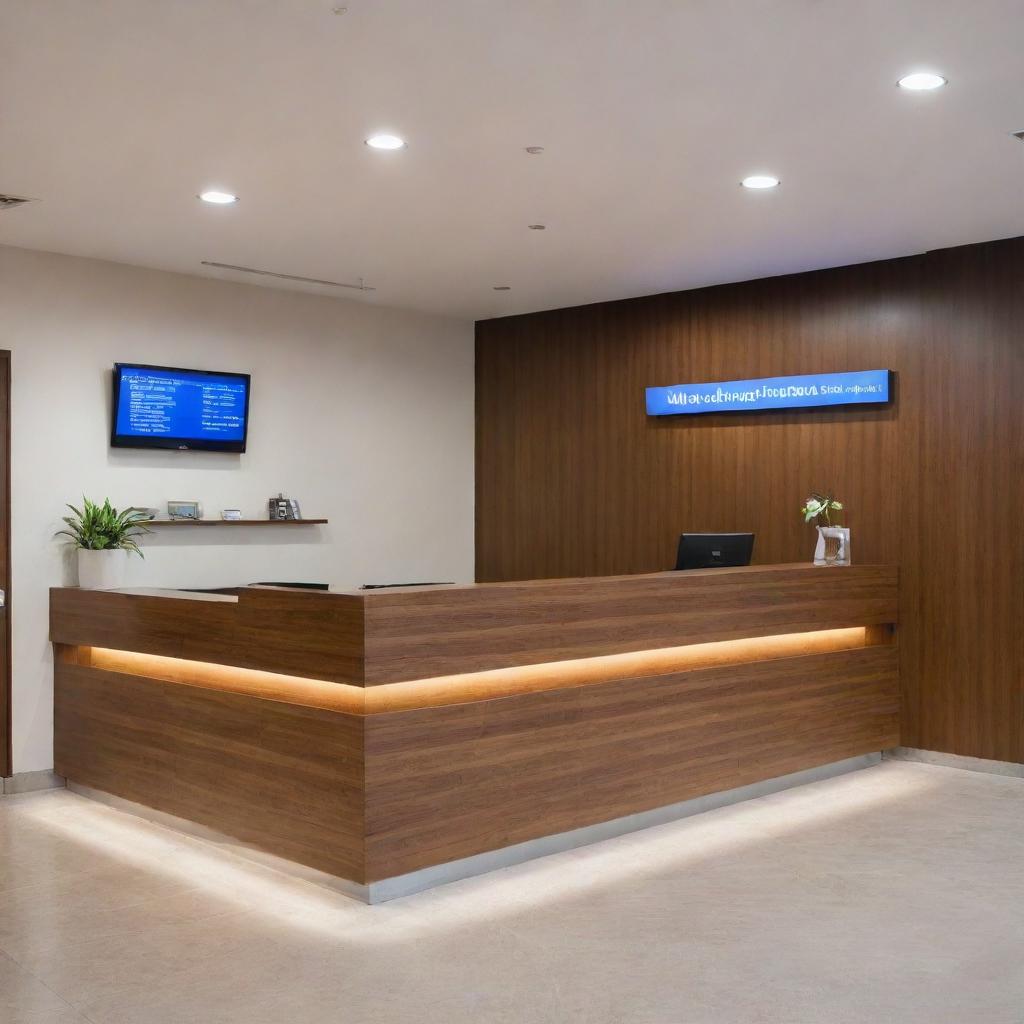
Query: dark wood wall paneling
{"x": 573, "y": 479}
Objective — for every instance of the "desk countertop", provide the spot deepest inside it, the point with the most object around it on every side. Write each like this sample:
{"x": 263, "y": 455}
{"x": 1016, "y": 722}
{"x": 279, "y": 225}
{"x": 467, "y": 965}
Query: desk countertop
{"x": 367, "y": 638}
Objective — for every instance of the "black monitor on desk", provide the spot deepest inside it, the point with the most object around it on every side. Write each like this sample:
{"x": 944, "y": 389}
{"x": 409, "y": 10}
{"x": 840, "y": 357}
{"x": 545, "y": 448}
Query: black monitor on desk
{"x": 714, "y": 550}
{"x": 296, "y": 586}
{"x": 389, "y": 586}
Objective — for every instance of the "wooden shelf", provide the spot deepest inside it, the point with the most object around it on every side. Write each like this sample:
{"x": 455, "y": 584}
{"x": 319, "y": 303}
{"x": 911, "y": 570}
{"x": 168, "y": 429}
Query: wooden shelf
{"x": 235, "y": 522}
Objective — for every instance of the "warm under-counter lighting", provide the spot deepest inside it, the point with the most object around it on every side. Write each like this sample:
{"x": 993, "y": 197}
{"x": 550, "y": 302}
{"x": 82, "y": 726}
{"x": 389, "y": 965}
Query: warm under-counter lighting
{"x": 218, "y": 198}
{"x": 921, "y": 81}
{"x": 385, "y": 141}
{"x": 462, "y": 688}
{"x": 759, "y": 181}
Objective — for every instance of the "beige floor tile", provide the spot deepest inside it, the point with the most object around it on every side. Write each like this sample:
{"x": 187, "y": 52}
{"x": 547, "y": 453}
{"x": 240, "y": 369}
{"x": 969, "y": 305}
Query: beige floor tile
{"x": 893, "y": 894}
{"x": 25, "y": 1000}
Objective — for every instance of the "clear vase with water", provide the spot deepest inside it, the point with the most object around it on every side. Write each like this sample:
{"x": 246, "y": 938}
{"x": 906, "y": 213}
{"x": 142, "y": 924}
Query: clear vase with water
{"x": 833, "y": 546}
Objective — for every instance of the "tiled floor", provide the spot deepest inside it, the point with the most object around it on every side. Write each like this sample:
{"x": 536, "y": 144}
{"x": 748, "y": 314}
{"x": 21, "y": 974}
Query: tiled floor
{"x": 892, "y": 894}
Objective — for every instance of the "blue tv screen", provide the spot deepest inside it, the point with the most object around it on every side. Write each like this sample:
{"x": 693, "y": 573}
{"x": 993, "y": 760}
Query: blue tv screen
{"x": 186, "y": 410}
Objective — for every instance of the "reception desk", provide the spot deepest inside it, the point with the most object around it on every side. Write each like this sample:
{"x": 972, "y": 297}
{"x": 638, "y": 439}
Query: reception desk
{"x": 393, "y": 738}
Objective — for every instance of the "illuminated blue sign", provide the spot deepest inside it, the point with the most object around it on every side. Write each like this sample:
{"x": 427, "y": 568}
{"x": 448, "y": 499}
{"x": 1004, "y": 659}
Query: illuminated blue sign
{"x": 806, "y": 391}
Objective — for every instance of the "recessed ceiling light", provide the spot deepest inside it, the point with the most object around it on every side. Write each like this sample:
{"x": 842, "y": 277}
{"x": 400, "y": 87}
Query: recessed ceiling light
{"x": 385, "y": 141}
{"x": 760, "y": 181}
{"x": 534, "y": 150}
{"x": 538, "y": 227}
{"x": 921, "y": 81}
{"x": 218, "y": 198}
{"x": 503, "y": 288}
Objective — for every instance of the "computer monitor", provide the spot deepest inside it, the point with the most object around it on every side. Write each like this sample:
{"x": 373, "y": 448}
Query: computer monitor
{"x": 389, "y": 586}
{"x": 296, "y": 586}
{"x": 714, "y": 550}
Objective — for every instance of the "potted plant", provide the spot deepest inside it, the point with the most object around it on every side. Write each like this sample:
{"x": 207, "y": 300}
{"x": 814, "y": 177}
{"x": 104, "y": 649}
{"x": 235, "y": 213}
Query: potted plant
{"x": 104, "y": 538}
{"x": 833, "y": 540}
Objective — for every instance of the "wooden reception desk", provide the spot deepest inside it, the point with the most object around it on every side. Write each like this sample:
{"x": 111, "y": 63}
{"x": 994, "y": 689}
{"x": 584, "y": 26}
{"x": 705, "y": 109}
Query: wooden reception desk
{"x": 374, "y": 734}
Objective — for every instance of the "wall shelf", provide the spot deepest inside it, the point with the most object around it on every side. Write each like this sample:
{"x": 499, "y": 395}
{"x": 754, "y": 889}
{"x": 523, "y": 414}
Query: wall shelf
{"x": 234, "y": 522}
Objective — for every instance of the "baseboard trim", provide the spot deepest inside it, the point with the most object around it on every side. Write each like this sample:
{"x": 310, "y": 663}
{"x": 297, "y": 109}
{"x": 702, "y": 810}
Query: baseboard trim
{"x": 31, "y": 782}
{"x": 970, "y": 764}
{"x": 483, "y": 863}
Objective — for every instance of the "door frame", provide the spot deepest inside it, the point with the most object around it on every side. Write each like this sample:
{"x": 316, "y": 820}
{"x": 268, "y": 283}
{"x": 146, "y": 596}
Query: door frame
{"x": 6, "y": 767}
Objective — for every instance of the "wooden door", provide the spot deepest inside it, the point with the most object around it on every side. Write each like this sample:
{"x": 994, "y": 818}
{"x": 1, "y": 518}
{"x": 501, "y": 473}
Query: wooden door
{"x": 5, "y": 563}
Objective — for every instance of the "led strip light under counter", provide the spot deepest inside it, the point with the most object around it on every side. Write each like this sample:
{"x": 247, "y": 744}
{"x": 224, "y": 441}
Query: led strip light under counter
{"x": 473, "y": 686}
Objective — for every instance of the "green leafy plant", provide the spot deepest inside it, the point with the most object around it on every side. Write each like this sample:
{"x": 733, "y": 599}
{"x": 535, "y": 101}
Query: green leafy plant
{"x": 103, "y": 528}
{"x": 821, "y": 507}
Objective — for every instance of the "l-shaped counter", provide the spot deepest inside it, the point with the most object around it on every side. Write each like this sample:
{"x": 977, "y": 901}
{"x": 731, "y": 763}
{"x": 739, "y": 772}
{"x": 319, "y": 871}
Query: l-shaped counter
{"x": 392, "y": 739}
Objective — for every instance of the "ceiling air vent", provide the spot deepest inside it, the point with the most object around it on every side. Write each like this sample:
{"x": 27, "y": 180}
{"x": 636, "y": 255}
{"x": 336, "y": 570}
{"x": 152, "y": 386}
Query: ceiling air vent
{"x": 359, "y": 286}
{"x": 10, "y": 202}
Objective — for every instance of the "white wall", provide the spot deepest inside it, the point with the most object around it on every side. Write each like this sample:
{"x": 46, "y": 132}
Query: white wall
{"x": 364, "y": 414}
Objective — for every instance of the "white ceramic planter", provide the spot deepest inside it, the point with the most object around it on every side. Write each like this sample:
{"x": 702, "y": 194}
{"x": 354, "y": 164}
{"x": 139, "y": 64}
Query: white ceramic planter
{"x": 101, "y": 570}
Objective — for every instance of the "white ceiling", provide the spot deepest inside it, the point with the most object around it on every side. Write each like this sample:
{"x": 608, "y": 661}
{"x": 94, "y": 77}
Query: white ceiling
{"x": 114, "y": 113}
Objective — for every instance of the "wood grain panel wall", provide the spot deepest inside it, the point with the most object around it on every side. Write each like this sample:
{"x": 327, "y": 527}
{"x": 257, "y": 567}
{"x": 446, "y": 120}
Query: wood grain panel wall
{"x": 573, "y": 479}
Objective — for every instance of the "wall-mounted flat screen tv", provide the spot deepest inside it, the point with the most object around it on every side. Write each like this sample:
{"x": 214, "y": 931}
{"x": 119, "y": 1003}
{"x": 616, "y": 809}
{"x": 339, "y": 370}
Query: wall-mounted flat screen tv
{"x": 186, "y": 410}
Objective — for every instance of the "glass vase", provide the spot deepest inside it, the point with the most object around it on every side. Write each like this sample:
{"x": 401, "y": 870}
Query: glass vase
{"x": 833, "y": 546}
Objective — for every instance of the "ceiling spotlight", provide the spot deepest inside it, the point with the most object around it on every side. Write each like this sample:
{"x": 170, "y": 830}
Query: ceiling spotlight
{"x": 385, "y": 141}
{"x": 534, "y": 150}
{"x": 921, "y": 81}
{"x": 218, "y": 198}
{"x": 537, "y": 227}
{"x": 760, "y": 181}
{"x": 503, "y": 288}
